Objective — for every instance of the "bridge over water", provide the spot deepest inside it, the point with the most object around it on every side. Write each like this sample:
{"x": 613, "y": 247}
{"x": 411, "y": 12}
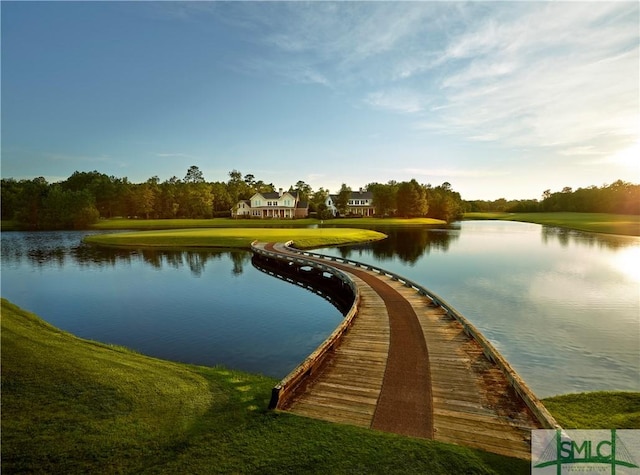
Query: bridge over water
{"x": 402, "y": 361}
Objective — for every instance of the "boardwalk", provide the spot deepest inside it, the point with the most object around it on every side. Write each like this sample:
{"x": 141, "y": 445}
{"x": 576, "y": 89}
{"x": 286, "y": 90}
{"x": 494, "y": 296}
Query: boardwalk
{"x": 407, "y": 367}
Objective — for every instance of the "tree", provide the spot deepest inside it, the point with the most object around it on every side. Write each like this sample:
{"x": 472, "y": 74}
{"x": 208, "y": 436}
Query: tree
{"x": 194, "y": 175}
{"x": 237, "y": 188}
{"x": 250, "y": 180}
{"x": 342, "y": 200}
{"x": 304, "y": 190}
{"x": 65, "y": 209}
{"x": 444, "y": 203}
{"x": 384, "y": 197}
{"x": 222, "y": 201}
{"x": 31, "y": 198}
{"x": 319, "y": 197}
{"x": 411, "y": 199}
{"x": 10, "y": 190}
{"x": 198, "y": 201}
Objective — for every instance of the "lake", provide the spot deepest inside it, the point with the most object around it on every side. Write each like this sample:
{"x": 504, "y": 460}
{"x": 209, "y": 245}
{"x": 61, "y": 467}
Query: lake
{"x": 562, "y": 306}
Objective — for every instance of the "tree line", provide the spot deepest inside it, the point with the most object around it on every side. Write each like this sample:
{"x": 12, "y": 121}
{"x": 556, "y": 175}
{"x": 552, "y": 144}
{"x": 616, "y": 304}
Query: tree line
{"x": 619, "y": 197}
{"x": 409, "y": 199}
{"x": 85, "y": 197}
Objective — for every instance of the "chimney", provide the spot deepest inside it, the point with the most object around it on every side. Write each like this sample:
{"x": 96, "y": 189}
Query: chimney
{"x": 280, "y": 192}
{"x": 360, "y": 189}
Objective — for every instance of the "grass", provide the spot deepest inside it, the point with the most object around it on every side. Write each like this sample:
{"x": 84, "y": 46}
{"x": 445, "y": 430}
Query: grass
{"x": 142, "y": 224}
{"x": 6, "y": 225}
{"x": 591, "y": 222}
{"x": 235, "y": 237}
{"x": 596, "y": 410}
{"x": 76, "y": 406}
{"x": 146, "y": 224}
{"x": 384, "y": 222}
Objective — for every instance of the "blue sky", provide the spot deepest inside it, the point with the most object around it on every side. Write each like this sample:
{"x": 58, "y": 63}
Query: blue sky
{"x": 500, "y": 99}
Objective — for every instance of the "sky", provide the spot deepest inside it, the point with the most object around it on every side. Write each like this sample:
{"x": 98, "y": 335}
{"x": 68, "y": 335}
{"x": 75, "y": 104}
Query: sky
{"x": 500, "y": 99}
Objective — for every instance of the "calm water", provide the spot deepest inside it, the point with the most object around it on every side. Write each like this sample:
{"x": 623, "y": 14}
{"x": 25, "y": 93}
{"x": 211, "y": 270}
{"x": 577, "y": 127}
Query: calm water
{"x": 562, "y": 306}
{"x": 198, "y": 307}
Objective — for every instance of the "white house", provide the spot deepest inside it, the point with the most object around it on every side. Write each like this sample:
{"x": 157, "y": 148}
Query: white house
{"x": 360, "y": 203}
{"x": 272, "y": 205}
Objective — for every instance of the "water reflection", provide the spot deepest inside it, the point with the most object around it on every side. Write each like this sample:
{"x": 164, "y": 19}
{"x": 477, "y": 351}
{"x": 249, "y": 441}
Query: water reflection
{"x": 195, "y": 306}
{"x": 409, "y": 245}
{"x": 566, "y": 237}
{"x": 562, "y": 306}
{"x": 60, "y": 249}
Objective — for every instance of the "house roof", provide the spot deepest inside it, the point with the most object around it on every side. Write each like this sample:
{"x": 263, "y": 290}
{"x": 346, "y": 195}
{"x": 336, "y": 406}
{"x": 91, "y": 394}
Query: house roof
{"x": 356, "y": 195}
{"x": 302, "y": 204}
{"x": 274, "y": 195}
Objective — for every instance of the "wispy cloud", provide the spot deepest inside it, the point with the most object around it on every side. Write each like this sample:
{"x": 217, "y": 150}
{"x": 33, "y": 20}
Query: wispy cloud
{"x": 562, "y": 76}
{"x": 341, "y": 43}
{"x": 557, "y": 75}
{"x": 398, "y": 100}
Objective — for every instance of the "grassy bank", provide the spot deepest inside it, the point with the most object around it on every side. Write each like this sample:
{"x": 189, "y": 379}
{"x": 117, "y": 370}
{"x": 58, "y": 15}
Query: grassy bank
{"x": 591, "y": 222}
{"x": 75, "y": 406}
{"x": 597, "y": 410}
{"x": 148, "y": 224}
{"x": 235, "y": 237}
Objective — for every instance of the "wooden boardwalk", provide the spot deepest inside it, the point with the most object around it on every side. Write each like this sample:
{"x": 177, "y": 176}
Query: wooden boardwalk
{"x": 406, "y": 366}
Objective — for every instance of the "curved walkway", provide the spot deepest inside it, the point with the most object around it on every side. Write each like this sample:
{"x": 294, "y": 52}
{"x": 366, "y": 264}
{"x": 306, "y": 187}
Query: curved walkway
{"x": 407, "y": 367}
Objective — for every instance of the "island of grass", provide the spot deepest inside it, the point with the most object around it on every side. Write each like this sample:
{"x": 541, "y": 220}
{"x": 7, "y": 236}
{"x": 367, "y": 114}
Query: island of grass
{"x": 147, "y": 224}
{"x": 235, "y": 237}
{"x": 623, "y": 224}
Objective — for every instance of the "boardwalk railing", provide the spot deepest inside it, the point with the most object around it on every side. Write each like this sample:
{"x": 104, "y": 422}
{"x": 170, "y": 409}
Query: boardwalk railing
{"x": 516, "y": 382}
{"x": 296, "y": 379}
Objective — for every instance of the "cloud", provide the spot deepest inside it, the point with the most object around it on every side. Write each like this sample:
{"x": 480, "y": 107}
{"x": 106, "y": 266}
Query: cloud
{"x": 561, "y": 76}
{"x": 397, "y": 100}
{"x": 557, "y": 76}
{"x": 342, "y": 43}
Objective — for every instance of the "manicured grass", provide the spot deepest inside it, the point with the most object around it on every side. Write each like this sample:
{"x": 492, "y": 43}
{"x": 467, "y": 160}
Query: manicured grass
{"x": 591, "y": 222}
{"x": 596, "y": 410}
{"x": 142, "y": 224}
{"x": 235, "y": 237}
{"x": 383, "y": 222}
{"x": 76, "y": 406}
{"x": 8, "y": 225}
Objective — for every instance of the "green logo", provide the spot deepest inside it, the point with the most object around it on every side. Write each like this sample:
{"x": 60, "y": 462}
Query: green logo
{"x": 585, "y": 451}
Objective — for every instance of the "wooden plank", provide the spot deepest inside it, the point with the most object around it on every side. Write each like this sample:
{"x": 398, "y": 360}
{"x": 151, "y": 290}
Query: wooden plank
{"x": 473, "y": 403}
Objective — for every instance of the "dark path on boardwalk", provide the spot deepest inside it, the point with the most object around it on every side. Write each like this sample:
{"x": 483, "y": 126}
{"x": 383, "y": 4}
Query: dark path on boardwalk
{"x": 405, "y": 404}
{"x": 406, "y": 366}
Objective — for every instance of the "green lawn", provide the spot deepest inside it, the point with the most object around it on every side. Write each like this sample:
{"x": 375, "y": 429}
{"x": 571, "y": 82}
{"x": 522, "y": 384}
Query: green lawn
{"x": 76, "y": 406}
{"x": 235, "y": 237}
{"x": 591, "y": 222}
{"x": 597, "y": 410}
{"x": 142, "y": 224}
